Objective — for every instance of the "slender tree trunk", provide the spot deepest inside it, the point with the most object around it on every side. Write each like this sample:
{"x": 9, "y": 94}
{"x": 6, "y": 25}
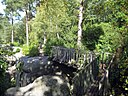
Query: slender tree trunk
{"x": 57, "y": 34}
{"x": 45, "y": 38}
{"x": 12, "y": 33}
{"x": 12, "y": 39}
{"x": 27, "y": 37}
{"x": 80, "y": 23}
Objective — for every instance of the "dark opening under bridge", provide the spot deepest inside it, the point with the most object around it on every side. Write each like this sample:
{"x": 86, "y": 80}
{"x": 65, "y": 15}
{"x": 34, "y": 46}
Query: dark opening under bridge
{"x": 93, "y": 76}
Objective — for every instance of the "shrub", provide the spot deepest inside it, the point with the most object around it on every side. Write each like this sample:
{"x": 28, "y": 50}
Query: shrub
{"x": 4, "y": 84}
{"x": 15, "y": 44}
{"x": 31, "y": 50}
{"x": 17, "y": 50}
{"x": 25, "y": 50}
{"x": 51, "y": 42}
{"x": 91, "y": 36}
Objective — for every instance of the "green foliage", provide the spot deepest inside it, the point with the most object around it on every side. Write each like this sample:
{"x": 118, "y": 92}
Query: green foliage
{"x": 15, "y": 44}
{"x": 91, "y": 36}
{"x": 50, "y": 43}
{"x": 19, "y": 35}
{"x": 123, "y": 78}
{"x": 102, "y": 37}
{"x": 5, "y": 30}
{"x": 6, "y": 51}
{"x": 3, "y": 66}
{"x": 19, "y": 66}
{"x": 55, "y": 22}
{"x": 123, "y": 84}
{"x": 104, "y": 26}
{"x": 31, "y": 50}
{"x": 17, "y": 50}
{"x": 25, "y": 50}
{"x": 119, "y": 79}
{"x": 34, "y": 39}
{"x": 110, "y": 40}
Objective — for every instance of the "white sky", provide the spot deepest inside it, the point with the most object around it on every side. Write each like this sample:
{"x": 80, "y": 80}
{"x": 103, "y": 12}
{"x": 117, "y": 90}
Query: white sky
{"x": 1, "y": 7}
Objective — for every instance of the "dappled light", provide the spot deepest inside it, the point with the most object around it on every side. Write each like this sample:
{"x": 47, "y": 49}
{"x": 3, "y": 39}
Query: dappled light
{"x": 63, "y": 47}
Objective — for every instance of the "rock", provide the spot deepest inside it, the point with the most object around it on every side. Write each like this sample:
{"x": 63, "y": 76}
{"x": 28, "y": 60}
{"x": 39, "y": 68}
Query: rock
{"x": 11, "y": 70}
{"x": 11, "y": 59}
{"x": 35, "y": 64}
{"x": 42, "y": 86}
{"x": 13, "y": 92}
{"x": 35, "y": 67}
{"x": 15, "y": 48}
{"x": 18, "y": 55}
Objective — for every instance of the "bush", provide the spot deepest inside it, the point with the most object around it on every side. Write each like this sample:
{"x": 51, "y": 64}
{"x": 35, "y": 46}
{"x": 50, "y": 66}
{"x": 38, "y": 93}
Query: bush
{"x": 31, "y": 50}
{"x": 17, "y": 50}
{"x": 4, "y": 80}
{"x": 124, "y": 77}
{"x": 15, "y": 44}
{"x": 109, "y": 41}
{"x": 51, "y": 42}
{"x": 25, "y": 50}
{"x": 91, "y": 36}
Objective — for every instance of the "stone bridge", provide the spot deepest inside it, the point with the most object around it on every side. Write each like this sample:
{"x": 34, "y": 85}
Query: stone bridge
{"x": 92, "y": 79}
{"x": 88, "y": 73}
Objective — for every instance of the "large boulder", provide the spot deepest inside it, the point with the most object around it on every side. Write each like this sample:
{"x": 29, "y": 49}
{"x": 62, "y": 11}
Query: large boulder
{"x": 43, "y": 86}
{"x": 35, "y": 64}
{"x": 34, "y": 67}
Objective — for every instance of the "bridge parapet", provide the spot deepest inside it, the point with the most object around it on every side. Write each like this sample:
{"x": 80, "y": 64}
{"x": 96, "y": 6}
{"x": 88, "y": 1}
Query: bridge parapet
{"x": 93, "y": 77}
{"x": 78, "y": 57}
{"x": 72, "y": 56}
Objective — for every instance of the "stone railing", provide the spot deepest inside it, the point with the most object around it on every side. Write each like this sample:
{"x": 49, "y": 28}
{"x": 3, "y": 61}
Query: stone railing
{"x": 71, "y": 56}
{"x": 93, "y": 79}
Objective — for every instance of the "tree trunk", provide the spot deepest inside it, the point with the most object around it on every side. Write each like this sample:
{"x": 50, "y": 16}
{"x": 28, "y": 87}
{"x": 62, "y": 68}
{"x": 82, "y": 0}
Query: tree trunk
{"x": 80, "y": 23}
{"x": 57, "y": 34}
{"x": 12, "y": 39}
{"x": 45, "y": 38}
{"x": 27, "y": 37}
{"x": 12, "y": 33}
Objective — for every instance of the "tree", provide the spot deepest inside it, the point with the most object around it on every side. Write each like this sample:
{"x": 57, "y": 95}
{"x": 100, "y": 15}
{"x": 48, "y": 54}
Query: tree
{"x": 80, "y": 23}
{"x": 27, "y": 6}
{"x": 115, "y": 13}
{"x": 10, "y": 12}
{"x": 48, "y": 18}
{"x": 5, "y": 30}
{"x": 19, "y": 36}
